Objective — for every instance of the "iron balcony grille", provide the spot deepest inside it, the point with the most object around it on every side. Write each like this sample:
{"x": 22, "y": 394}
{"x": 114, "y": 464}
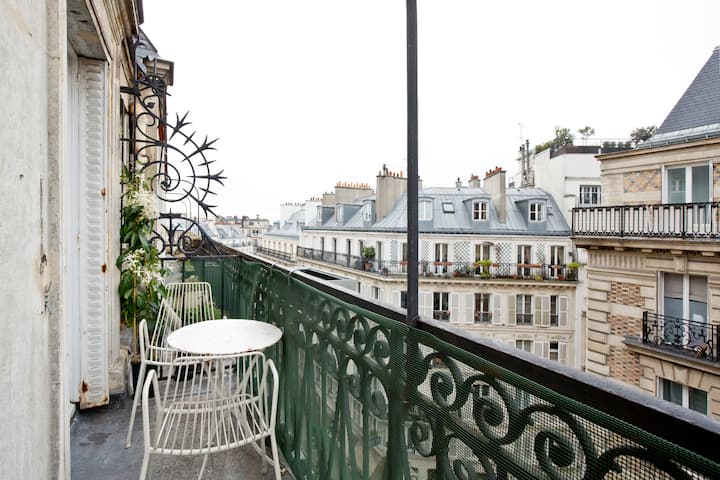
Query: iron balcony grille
{"x": 678, "y": 334}
{"x": 477, "y": 270}
{"x": 667, "y": 220}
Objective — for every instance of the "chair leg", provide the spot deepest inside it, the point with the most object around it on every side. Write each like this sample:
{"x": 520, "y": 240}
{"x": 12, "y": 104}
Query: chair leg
{"x": 136, "y": 400}
{"x": 276, "y": 456}
{"x": 145, "y": 464}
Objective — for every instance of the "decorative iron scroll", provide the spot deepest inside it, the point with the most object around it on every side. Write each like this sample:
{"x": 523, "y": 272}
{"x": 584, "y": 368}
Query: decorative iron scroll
{"x": 173, "y": 160}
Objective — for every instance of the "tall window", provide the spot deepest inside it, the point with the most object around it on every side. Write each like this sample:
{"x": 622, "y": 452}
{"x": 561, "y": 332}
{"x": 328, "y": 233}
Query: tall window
{"x": 366, "y": 212}
{"x": 689, "y": 184}
{"x": 685, "y": 298}
{"x": 523, "y": 310}
{"x": 480, "y": 211}
{"x": 526, "y": 345}
{"x": 524, "y": 258}
{"x": 482, "y": 308}
{"x": 683, "y": 395}
{"x": 537, "y": 212}
{"x": 441, "y": 257}
{"x": 557, "y": 259}
{"x": 339, "y": 214}
{"x": 425, "y": 210}
{"x": 554, "y": 351}
{"x": 554, "y": 313}
{"x": 404, "y": 258}
{"x": 589, "y": 195}
{"x": 441, "y": 311}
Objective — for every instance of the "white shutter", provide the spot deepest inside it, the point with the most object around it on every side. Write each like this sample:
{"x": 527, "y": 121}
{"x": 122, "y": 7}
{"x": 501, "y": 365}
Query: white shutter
{"x": 94, "y": 386}
{"x": 562, "y": 353}
{"x": 542, "y": 349}
{"x": 509, "y": 308}
{"x": 381, "y": 295}
{"x": 365, "y": 290}
{"x": 562, "y": 311}
{"x": 542, "y": 310}
{"x": 425, "y": 304}
{"x": 395, "y": 298}
{"x": 497, "y": 318}
{"x": 455, "y": 308}
{"x": 467, "y": 308}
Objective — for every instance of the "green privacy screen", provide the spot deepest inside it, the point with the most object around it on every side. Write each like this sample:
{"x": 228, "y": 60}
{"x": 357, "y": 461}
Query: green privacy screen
{"x": 366, "y": 397}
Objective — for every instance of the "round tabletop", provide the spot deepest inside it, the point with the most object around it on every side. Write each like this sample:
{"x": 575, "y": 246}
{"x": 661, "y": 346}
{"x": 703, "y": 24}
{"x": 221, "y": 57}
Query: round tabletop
{"x": 224, "y": 337}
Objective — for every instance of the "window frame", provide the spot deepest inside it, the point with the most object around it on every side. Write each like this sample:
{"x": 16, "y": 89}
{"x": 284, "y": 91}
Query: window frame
{"x": 523, "y": 317}
{"x": 685, "y": 394}
{"x": 480, "y": 210}
{"x": 485, "y": 316}
{"x": 441, "y": 299}
{"x": 590, "y": 192}
{"x": 425, "y": 208}
{"x": 448, "y": 207}
{"x": 536, "y": 212}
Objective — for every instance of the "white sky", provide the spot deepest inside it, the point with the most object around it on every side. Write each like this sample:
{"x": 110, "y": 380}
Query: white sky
{"x": 306, "y": 93}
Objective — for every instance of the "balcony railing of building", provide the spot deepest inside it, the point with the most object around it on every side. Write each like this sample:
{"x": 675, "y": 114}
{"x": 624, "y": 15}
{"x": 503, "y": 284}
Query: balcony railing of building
{"x": 668, "y": 220}
{"x": 364, "y": 396}
{"x": 479, "y": 270}
{"x": 269, "y": 252}
{"x": 698, "y": 339}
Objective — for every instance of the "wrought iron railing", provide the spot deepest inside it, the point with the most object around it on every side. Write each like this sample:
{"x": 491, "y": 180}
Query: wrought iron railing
{"x": 364, "y": 396}
{"x": 679, "y": 220}
{"x": 678, "y": 334}
{"x": 269, "y": 252}
{"x": 480, "y": 270}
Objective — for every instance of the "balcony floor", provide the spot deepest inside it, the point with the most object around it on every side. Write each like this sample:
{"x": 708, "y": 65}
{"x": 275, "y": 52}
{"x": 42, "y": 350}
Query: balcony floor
{"x": 98, "y": 451}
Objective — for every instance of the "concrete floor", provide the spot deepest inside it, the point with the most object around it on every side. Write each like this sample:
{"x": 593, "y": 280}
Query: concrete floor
{"x": 98, "y": 451}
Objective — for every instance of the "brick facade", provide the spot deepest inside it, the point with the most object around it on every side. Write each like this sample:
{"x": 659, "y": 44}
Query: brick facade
{"x": 643, "y": 181}
{"x": 624, "y": 365}
{"x": 625, "y": 294}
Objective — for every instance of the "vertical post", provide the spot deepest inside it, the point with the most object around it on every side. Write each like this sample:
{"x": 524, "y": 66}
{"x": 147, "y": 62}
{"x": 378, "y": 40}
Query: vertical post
{"x": 412, "y": 165}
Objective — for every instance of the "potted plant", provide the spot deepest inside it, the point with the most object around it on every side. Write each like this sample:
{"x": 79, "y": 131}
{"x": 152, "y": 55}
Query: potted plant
{"x": 368, "y": 254}
{"x": 141, "y": 271}
{"x": 572, "y": 269}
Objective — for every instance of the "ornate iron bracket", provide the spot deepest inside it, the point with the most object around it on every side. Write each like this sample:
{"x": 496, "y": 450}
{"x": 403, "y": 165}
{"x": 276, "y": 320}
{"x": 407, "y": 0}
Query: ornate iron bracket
{"x": 171, "y": 159}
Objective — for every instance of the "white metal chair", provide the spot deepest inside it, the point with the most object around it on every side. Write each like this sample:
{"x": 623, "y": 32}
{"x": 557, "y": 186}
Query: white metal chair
{"x": 212, "y": 404}
{"x": 193, "y": 301}
{"x": 185, "y": 303}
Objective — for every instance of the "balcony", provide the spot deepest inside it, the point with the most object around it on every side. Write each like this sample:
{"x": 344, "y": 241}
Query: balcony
{"x": 365, "y": 396}
{"x": 475, "y": 270}
{"x": 684, "y": 337}
{"x": 693, "y": 221}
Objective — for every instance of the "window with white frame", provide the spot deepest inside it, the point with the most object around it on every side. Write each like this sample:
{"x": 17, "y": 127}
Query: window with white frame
{"x": 441, "y": 310}
{"x": 526, "y": 345}
{"x": 554, "y": 351}
{"x": 554, "y": 312}
{"x": 688, "y": 184}
{"x": 523, "y": 310}
{"x": 482, "y": 308}
{"x": 524, "y": 258}
{"x": 480, "y": 211}
{"x": 339, "y": 214}
{"x": 537, "y": 212}
{"x": 589, "y": 195}
{"x": 441, "y": 258}
{"x": 685, "y": 297}
{"x": 683, "y": 395}
{"x": 366, "y": 212}
{"x": 425, "y": 210}
{"x": 375, "y": 292}
{"x": 557, "y": 260}
{"x": 448, "y": 207}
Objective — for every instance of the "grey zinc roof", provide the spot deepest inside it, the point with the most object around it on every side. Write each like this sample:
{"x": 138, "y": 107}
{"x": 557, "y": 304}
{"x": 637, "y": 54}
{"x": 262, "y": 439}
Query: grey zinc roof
{"x": 697, "y": 113}
{"x": 460, "y": 220}
{"x": 290, "y": 228}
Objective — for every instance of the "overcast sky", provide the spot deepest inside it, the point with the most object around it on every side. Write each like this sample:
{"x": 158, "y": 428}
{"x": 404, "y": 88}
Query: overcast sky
{"x": 306, "y": 93}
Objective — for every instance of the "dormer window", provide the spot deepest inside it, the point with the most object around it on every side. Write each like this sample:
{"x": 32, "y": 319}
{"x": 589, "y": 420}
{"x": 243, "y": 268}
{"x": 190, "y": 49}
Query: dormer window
{"x": 366, "y": 211}
{"x": 537, "y": 212}
{"x": 425, "y": 210}
{"x": 480, "y": 211}
{"x": 319, "y": 215}
{"x": 339, "y": 214}
{"x": 448, "y": 207}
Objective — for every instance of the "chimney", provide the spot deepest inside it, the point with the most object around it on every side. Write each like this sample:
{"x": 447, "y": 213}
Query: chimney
{"x": 390, "y": 187}
{"x": 495, "y": 186}
{"x": 458, "y": 183}
{"x": 474, "y": 181}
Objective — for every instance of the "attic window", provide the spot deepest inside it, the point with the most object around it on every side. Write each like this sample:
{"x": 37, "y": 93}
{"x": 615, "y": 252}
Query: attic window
{"x": 339, "y": 214}
{"x": 537, "y": 212}
{"x": 425, "y": 210}
{"x": 448, "y": 207}
{"x": 480, "y": 211}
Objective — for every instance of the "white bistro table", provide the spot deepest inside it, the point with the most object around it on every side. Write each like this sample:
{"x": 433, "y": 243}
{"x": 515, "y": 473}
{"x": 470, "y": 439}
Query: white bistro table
{"x": 224, "y": 337}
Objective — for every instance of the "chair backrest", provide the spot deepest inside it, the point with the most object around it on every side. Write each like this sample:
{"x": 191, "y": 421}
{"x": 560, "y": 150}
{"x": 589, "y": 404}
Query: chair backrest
{"x": 166, "y": 322}
{"x": 214, "y": 403}
{"x": 192, "y": 301}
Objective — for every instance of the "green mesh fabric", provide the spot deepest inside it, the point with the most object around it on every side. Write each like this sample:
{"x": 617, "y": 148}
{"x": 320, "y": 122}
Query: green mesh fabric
{"x": 365, "y": 397}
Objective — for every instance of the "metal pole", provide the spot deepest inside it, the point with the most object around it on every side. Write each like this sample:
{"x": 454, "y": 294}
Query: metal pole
{"x": 412, "y": 165}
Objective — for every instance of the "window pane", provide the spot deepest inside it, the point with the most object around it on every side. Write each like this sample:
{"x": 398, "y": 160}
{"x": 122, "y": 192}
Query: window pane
{"x": 698, "y": 288}
{"x": 700, "y": 184}
{"x": 697, "y": 400}
{"x": 676, "y": 185}
{"x": 672, "y": 392}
